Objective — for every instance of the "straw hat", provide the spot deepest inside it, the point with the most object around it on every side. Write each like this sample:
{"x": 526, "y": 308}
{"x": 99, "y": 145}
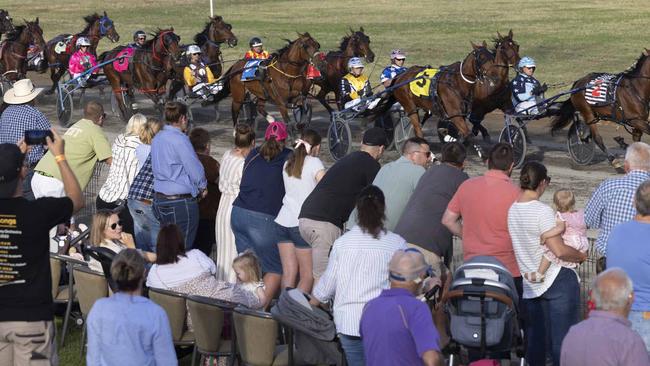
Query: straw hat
{"x": 22, "y": 92}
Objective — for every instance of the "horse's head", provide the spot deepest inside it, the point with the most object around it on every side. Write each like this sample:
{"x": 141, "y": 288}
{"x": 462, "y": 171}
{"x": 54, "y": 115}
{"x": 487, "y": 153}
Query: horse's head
{"x": 107, "y": 28}
{"x": 481, "y": 62}
{"x": 6, "y": 24}
{"x": 309, "y": 45}
{"x": 359, "y": 43}
{"x": 642, "y": 65}
{"x": 166, "y": 42}
{"x": 509, "y": 48}
{"x": 221, "y": 32}
{"x": 35, "y": 33}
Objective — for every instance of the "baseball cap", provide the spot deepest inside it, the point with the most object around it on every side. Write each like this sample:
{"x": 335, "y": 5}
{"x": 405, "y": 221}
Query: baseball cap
{"x": 407, "y": 265}
{"x": 375, "y": 136}
{"x": 276, "y": 129}
{"x": 10, "y": 164}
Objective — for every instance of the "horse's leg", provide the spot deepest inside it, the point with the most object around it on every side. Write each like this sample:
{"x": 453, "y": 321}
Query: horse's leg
{"x": 53, "y": 71}
{"x": 238, "y": 94}
{"x": 405, "y": 99}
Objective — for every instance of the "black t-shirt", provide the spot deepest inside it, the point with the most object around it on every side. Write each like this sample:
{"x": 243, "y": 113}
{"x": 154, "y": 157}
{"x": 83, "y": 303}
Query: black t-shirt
{"x": 25, "y": 279}
{"x": 335, "y": 195}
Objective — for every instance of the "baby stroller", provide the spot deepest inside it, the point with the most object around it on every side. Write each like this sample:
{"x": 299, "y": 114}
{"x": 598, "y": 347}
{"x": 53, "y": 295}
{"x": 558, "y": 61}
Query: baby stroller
{"x": 482, "y": 305}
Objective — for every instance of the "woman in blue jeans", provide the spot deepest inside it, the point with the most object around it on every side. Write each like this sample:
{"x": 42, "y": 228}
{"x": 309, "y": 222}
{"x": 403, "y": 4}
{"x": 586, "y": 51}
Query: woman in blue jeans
{"x": 551, "y": 306}
{"x": 260, "y": 198}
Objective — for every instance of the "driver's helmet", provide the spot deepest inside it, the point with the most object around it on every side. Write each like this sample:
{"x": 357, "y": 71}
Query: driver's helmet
{"x": 83, "y": 41}
{"x": 526, "y": 62}
{"x": 255, "y": 42}
{"x": 193, "y": 49}
{"x": 138, "y": 34}
{"x": 355, "y": 62}
{"x": 397, "y": 54}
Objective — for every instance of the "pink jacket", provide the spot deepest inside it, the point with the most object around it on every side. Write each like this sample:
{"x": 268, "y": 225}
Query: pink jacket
{"x": 81, "y": 61}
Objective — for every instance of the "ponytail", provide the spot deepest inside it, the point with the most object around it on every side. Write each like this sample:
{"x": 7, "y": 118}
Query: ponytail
{"x": 307, "y": 142}
{"x": 370, "y": 211}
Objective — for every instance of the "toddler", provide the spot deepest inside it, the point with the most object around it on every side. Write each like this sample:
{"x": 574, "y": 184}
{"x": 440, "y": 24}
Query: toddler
{"x": 249, "y": 277}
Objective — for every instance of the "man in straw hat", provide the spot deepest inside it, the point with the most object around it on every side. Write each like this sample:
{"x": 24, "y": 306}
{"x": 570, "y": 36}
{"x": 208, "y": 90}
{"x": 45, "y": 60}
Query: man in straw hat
{"x": 396, "y": 327}
{"x": 21, "y": 115}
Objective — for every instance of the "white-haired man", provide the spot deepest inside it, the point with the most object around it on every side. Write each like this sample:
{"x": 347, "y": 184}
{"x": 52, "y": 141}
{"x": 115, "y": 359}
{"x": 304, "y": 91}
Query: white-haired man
{"x": 611, "y": 203}
{"x": 605, "y": 338}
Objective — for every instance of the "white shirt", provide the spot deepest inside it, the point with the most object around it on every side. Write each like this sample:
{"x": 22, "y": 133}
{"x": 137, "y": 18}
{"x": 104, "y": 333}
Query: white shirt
{"x": 527, "y": 221}
{"x": 123, "y": 169}
{"x": 188, "y": 267}
{"x": 297, "y": 190}
{"x": 357, "y": 272}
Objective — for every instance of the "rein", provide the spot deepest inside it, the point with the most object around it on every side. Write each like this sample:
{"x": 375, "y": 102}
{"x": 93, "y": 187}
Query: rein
{"x": 161, "y": 39}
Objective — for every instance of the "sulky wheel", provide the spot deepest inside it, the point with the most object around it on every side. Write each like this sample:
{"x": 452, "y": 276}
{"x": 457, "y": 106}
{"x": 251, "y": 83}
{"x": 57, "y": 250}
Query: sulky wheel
{"x": 580, "y": 143}
{"x": 64, "y": 106}
{"x": 402, "y": 132}
{"x": 339, "y": 138}
{"x": 515, "y": 136}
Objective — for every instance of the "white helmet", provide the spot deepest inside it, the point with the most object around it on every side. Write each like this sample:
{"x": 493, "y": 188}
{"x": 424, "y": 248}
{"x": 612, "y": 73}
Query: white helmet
{"x": 193, "y": 49}
{"x": 526, "y": 62}
{"x": 83, "y": 41}
{"x": 355, "y": 62}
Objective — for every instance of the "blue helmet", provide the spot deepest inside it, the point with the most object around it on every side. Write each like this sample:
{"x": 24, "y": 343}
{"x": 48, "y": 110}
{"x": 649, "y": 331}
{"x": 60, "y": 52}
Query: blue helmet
{"x": 526, "y": 62}
{"x": 355, "y": 62}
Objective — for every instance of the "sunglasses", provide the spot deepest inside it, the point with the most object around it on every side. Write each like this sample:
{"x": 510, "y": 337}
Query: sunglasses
{"x": 427, "y": 153}
{"x": 142, "y": 39}
{"x": 114, "y": 225}
{"x": 547, "y": 179}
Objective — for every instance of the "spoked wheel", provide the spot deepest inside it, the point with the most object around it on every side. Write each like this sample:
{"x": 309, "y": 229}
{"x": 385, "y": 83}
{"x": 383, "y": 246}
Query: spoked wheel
{"x": 302, "y": 114}
{"x": 64, "y": 106}
{"x": 128, "y": 104}
{"x": 447, "y": 128}
{"x": 339, "y": 138}
{"x": 403, "y": 131}
{"x": 249, "y": 109}
{"x": 580, "y": 143}
{"x": 514, "y": 135}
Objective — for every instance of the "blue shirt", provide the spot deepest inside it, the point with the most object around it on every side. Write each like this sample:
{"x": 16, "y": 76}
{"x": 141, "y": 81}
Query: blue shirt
{"x": 613, "y": 203}
{"x": 397, "y": 329}
{"x": 522, "y": 86}
{"x": 262, "y": 187}
{"x": 176, "y": 168}
{"x": 627, "y": 248}
{"x": 15, "y": 120}
{"x": 390, "y": 72}
{"x": 129, "y": 330}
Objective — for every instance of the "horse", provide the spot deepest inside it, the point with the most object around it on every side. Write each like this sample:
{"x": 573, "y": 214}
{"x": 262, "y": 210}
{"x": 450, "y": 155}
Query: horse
{"x": 628, "y": 108}
{"x": 13, "y": 50}
{"x": 495, "y": 93}
{"x": 97, "y": 27}
{"x": 452, "y": 91}
{"x": 6, "y": 23}
{"x": 215, "y": 32}
{"x": 285, "y": 80}
{"x": 356, "y": 44}
{"x": 150, "y": 67}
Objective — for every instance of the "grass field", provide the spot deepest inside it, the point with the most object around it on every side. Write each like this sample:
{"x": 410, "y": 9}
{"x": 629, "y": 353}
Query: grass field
{"x": 568, "y": 38}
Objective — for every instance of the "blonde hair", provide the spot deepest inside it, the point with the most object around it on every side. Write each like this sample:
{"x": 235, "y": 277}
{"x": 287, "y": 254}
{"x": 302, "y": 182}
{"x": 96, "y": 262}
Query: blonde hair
{"x": 135, "y": 125}
{"x": 249, "y": 263}
{"x": 149, "y": 130}
{"x": 564, "y": 200}
{"x": 100, "y": 219}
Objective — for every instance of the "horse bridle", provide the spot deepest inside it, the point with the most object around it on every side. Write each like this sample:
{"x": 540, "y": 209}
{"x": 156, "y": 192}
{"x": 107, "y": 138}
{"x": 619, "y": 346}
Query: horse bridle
{"x": 161, "y": 39}
{"x": 105, "y": 24}
{"x": 478, "y": 71}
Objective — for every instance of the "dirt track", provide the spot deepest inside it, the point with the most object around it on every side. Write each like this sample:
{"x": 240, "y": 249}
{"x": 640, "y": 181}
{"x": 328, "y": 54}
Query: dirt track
{"x": 551, "y": 150}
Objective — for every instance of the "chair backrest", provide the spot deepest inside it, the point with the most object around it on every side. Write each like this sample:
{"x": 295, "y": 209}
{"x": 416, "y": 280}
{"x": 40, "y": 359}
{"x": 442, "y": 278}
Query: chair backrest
{"x": 257, "y": 332}
{"x": 105, "y": 257}
{"x": 55, "y": 267}
{"x": 207, "y": 319}
{"x": 91, "y": 286}
{"x": 174, "y": 305}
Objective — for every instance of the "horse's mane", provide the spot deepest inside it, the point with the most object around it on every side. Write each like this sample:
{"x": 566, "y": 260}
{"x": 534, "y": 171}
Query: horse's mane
{"x": 13, "y": 36}
{"x": 637, "y": 65}
{"x": 344, "y": 42}
{"x": 201, "y": 38}
{"x": 90, "y": 20}
{"x": 284, "y": 49}
{"x": 149, "y": 43}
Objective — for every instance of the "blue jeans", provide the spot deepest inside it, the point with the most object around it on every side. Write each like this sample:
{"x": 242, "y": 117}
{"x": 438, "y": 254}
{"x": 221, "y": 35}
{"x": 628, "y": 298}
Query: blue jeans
{"x": 145, "y": 225}
{"x": 353, "y": 349}
{"x": 641, "y": 325}
{"x": 556, "y": 309}
{"x": 257, "y": 231}
{"x": 183, "y": 212}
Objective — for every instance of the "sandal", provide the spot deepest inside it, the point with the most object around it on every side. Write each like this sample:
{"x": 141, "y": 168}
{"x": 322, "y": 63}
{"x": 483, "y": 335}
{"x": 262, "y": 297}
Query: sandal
{"x": 534, "y": 277}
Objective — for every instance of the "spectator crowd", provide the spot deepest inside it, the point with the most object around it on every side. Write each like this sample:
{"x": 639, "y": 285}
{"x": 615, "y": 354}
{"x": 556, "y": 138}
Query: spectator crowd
{"x": 362, "y": 240}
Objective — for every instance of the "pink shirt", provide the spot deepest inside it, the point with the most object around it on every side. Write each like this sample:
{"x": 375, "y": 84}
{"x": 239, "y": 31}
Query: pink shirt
{"x": 77, "y": 61}
{"x": 483, "y": 203}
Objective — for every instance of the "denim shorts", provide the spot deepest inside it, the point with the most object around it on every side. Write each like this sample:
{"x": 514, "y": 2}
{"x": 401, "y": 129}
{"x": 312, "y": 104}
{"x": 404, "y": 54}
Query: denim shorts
{"x": 256, "y": 231}
{"x": 291, "y": 235}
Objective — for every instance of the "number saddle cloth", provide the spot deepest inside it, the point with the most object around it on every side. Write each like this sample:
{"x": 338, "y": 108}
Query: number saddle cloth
{"x": 123, "y": 59}
{"x": 601, "y": 90}
{"x": 251, "y": 70}
{"x": 425, "y": 82}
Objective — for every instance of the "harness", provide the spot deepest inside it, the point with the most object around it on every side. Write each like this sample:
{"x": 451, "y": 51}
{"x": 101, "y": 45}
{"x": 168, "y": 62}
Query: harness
{"x": 105, "y": 24}
{"x": 161, "y": 39}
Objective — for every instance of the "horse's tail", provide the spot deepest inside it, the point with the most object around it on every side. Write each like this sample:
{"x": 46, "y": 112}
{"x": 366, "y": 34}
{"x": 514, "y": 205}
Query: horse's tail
{"x": 564, "y": 117}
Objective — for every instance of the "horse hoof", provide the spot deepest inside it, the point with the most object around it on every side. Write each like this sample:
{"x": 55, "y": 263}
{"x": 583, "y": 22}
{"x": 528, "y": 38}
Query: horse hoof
{"x": 618, "y": 164}
{"x": 621, "y": 142}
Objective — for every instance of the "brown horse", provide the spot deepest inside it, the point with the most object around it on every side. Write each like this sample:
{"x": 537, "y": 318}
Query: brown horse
{"x": 454, "y": 88}
{"x": 6, "y": 23}
{"x": 629, "y": 106}
{"x": 149, "y": 69}
{"x": 356, "y": 44}
{"x": 285, "y": 81}
{"x": 13, "y": 50}
{"x": 215, "y": 32}
{"x": 97, "y": 27}
{"x": 494, "y": 93}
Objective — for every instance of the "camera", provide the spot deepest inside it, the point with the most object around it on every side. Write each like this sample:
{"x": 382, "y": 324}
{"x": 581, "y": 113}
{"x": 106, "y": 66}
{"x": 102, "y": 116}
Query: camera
{"x": 37, "y": 137}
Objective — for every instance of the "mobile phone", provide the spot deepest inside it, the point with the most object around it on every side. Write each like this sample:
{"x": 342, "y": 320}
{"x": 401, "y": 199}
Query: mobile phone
{"x": 37, "y": 137}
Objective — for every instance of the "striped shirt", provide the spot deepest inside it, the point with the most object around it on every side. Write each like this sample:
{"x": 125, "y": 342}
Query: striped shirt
{"x": 527, "y": 221}
{"x": 613, "y": 203}
{"x": 356, "y": 273}
{"x": 123, "y": 169}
